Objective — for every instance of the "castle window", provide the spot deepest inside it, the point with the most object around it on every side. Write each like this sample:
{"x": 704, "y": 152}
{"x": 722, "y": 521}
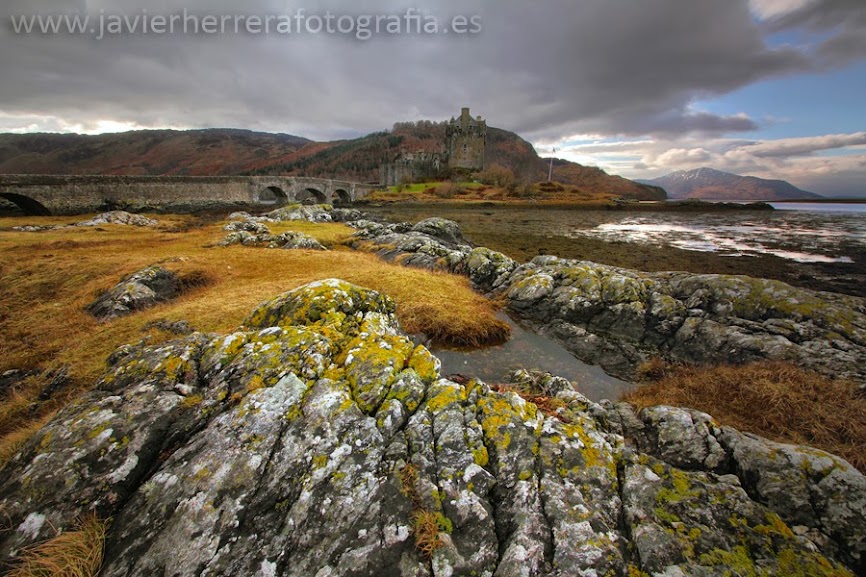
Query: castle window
{"x": 465, "y": 147}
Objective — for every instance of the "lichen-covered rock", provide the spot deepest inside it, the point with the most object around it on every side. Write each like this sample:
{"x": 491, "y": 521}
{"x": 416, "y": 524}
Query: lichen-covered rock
{"x": 486, "y": 268}
{"x": 346, "y": 214}
{"x": 249, "y": 226}
{"x": 445, "y": 230}
{"x": 596, "y": 310}
{"x": 137, "y": 291}
{"x": 119, "y": 217}
{"x": 257, "y": 234}
{"x": 245, "y": 238}
{"x": 318, "y": 440}
{"x": 296, "y": 240}
{"x": 314, "y": 213}
{"x": 434, "y": 244}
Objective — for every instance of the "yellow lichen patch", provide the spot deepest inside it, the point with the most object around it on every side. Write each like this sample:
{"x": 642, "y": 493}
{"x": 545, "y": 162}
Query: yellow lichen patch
{"x": 254, "y": 384}
{"x": 594, "y": 455}
{"x": 372, "y": 363}
{"x": 445, "y": 396}
{"x": 680, "y": 489}
{"x": 191, "y": 401}
{"x": 480, "y": 456}
{"x": 320, "y": 461}
{"x": 775, "y": 526}
{"x": 499, "y": 414}
{"x": 424, "y": 364}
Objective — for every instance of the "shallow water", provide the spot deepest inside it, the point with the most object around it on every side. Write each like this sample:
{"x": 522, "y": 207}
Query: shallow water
{"x": 527, "y": 350}
{"x": 802, "y": 233}
{"x": 801, "y": 236}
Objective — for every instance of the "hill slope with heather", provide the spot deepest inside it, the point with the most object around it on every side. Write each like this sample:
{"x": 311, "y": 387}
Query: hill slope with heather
{"x": 709, "y": 184}
{"x": 145, "y": 152}
{"x": 225, "y": 152}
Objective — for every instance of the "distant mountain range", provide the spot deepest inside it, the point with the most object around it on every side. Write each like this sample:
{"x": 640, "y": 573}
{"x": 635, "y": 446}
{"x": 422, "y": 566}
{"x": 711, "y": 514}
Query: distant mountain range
{"x": 709, "y": 184}
{"x": 237, "y": 152}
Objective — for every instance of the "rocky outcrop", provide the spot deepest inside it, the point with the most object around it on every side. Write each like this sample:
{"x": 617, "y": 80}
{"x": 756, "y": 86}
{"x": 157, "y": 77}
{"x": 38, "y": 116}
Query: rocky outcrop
{"x": 315, "y": 213}
{"x": 618, "y": 318}
{"x": 257, "y": 234}
{"x": 140, "y": 290}
{"x": 318, "y": 440}
{"x": 119, "y": 217}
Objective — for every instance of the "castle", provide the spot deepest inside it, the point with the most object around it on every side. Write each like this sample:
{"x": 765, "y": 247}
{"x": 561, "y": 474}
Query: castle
{"x": 465, "y": 141}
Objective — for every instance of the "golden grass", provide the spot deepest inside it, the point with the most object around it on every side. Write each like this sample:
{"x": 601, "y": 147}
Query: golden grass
{"x": 426, "y": 529}
{"x": 76, "y": 553}
{"x": 49, "y": 277}
{"x": 427, "y": 525}
{"x": 332, "y": 235}
{"x": 772, "y": 399}
{"x": 14, "y": 441}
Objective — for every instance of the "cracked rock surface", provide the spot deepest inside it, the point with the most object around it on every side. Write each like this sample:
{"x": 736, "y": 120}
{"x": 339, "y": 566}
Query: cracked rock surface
{"x": 316, "y": 438}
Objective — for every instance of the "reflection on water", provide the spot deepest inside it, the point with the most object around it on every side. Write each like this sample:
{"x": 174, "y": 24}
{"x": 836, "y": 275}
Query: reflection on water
{"x": 800, "y": 232}
{"x": 527, "y": 350}
{"x": 798, "y": 236}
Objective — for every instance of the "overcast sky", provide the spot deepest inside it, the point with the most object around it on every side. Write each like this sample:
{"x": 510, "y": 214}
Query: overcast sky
{"x": 773, "y": 88}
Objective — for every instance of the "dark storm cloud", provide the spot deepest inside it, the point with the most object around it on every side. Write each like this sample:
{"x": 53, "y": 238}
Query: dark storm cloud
{"x": 844, "y": 20}
{"x": 544, "y": 69}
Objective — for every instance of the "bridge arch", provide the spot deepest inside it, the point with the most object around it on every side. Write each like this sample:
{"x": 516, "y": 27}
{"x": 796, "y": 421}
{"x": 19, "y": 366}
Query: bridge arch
{"x": 30, "y": 206}
{"x": 342, "y": 197}
{"x": 312, "y": 196}
{"x": 273, "y": 195}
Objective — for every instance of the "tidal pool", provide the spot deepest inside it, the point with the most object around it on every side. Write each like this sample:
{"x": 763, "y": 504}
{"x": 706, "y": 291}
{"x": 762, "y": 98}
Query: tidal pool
{"x": 527, "y": 350}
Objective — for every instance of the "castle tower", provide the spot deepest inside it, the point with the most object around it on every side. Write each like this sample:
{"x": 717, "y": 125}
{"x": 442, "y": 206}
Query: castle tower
{"x": 466, "y": 138}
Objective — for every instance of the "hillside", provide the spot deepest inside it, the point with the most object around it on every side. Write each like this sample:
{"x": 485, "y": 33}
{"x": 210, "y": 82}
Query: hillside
{"x": 227, "y": 152}
{"x": 146, "y": 152}
{"x": 709, "y": 184}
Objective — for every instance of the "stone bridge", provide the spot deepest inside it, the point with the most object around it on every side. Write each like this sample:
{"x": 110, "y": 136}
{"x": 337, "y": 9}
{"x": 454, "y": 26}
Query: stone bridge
{"x": 60, "y": 195}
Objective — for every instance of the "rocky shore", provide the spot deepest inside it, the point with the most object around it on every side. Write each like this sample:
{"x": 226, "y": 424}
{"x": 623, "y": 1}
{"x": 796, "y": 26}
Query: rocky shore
{"x": 619, "y": 318}
{"x": 318, "y": 440}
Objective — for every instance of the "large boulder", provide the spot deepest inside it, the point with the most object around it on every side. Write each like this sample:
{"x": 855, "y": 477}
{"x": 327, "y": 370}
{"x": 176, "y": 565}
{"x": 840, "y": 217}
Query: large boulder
{"x": 318, "y": 440}
{"x": 140, "y": 290}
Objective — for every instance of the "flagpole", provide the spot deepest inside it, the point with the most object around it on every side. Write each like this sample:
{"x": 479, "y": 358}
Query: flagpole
{"x": 550, "y": 172}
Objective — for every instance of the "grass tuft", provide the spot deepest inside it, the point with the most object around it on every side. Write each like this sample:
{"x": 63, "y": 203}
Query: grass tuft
{"x": 772, "y": 399}
{"x": 426, "y": 529}
{"x": 76, "y": 553}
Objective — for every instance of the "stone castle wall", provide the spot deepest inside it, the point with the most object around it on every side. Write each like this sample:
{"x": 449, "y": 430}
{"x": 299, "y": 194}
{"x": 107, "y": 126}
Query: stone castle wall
{"x": 466, "y": 139}
{"x": 465, "y": 142}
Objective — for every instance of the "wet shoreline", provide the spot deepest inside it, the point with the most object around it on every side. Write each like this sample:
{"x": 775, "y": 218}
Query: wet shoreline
{"x": 524, "y": 233}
